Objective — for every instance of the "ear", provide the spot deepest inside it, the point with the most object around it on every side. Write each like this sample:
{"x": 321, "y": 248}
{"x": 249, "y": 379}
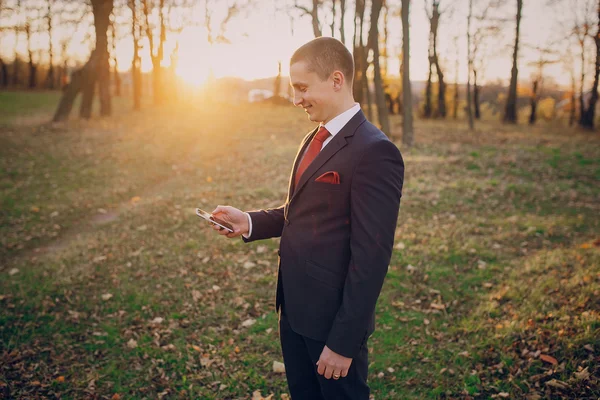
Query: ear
{"x": 338, "y": 80}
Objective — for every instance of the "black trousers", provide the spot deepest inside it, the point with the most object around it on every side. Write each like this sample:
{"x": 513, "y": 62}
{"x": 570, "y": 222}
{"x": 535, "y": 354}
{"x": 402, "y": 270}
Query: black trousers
{"x": 300, "y": 355}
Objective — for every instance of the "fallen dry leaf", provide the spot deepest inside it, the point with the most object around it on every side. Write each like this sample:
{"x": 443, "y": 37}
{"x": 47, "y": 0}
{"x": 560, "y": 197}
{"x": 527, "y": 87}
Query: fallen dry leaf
{"x": 248, "y": 322}
{"x": 278, "y": 367}
{"x": 548, "y": 359}
{"x": 582, "y": 375}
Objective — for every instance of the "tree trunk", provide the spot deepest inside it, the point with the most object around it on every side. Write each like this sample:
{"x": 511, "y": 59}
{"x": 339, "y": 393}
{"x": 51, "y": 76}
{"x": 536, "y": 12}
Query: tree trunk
{"x": 102, "y": 10}
{"x": 435, "y": 21}
{"x": 315, "y": 19}
{"x": 382, "y": 112}
{"x": 15, "y": 77}
{"x": 510, "y": 115}
{"x": 3, "y": 73}
{"x": 441, "y": 88}
{"x": 32, "y": 66}
{"x": 384, "y": 54}
{"x": 581, "y": 83}
{"x": 357, "y": 45}
{"x": 156, "y": 58}
{"x": 407, "y": 121}
{"x": 342, "y": 15}
{"x": 456, "y": 96}
{"x": 572, "y": 115}
{"x": 333, "y": 10}
{"x": 427, "y": 110}
{"x": 366, "y": 89}
{"x": 277, "y": 85}
{"x": 88, "y": 87}
{"x": 116, "y": 75}
{"x": 157, "y": 72}
{"x": 589, "y": 115}
{"x": 50, "y": 78}
{"x": 533, "y": 102}
{"x": 476, "y": 96}
{"x": 136, "y": 62}
{"x": 78, "y": 79}
{"x": 356, "y": 85}
{"x": 470, "y": 67}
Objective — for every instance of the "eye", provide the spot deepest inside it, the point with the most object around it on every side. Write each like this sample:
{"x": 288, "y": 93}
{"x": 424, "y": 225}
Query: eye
{"x": 303, "y": 89}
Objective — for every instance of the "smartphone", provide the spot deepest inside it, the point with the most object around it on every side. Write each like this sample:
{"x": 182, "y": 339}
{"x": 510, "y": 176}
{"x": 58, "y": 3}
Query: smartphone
{"x": 214, "y": 221}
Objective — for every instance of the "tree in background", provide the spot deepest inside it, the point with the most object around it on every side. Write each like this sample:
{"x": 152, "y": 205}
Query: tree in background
{"x": 456, "y": 97}
{"x": 314, "y": 15}
{"x": 546, "y": 57}
{"x": 50, "y": 76}
{"x": 434, "y": 22}
{"x": 484, "y": 41}
{"x": 470, "y": 68}
{"x": 136, "y": 62}
{"x": 32, "y": 66}
{"x": 342, "y": 17}
{"x": 18, "y": 28}
{"x": 277, "y": 84}
{"x": 382, "y": 112}
{"x": 510, "y": 114}
{"x": 95, "y": 71}
{"x": 113, "y": 42}
{"x": 407, "y": 121}
{"x": 156, "y": 49}
{"x": 587, "y": 114}
{"x": 3, "y": 66}
{"x": 361, "y": 82}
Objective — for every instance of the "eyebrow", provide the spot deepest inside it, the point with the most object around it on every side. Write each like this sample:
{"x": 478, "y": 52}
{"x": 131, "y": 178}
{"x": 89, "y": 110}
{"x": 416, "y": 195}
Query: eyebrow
{"x": 297, "y": 85}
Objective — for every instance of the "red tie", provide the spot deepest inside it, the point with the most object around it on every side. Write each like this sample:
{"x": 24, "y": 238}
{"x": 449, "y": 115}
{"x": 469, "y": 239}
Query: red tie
{"x": 313, "y": 150}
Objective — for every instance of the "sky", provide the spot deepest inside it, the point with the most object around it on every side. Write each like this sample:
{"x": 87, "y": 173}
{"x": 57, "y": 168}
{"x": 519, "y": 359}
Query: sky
{"x": 264, "y": 34}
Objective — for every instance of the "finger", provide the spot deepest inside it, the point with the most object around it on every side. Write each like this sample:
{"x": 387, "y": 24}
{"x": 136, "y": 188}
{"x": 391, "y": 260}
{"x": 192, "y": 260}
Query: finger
{"x": 321, "y": 369}
{"x": 220, "y": 209}
{"x": 233, "y": 234}
{"x": 336, "y": 375}
{"x": 344, "y": 373}
{"x": 328, "y": 372}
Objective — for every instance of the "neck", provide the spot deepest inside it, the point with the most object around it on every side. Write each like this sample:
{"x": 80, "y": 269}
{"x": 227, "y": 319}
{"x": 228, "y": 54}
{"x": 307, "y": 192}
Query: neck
{"x": 347, "y": 103}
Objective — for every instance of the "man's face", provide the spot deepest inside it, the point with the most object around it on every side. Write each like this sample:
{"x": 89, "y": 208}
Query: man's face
{"x": 312, "y": 93}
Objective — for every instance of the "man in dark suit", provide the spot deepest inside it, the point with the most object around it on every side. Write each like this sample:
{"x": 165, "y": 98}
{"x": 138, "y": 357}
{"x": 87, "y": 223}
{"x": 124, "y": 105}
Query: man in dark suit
{"x": 337, "y": 230}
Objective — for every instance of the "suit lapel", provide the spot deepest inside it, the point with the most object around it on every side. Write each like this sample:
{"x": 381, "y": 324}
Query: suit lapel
{"x": 303, "y": 147}
{"x": 336, "y": 144}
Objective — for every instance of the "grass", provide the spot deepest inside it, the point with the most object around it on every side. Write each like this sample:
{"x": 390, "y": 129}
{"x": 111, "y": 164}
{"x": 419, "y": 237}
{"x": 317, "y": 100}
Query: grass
{"x": 110, "y": 284}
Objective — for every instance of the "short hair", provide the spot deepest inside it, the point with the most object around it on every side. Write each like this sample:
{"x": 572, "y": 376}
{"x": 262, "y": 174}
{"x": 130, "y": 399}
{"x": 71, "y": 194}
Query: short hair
{"x": 325, "y": 55}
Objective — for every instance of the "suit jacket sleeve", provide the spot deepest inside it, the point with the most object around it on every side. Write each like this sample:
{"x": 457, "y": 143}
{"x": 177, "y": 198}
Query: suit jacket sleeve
{"x": 375, "y": 201}
{"x": 266, "y": 224}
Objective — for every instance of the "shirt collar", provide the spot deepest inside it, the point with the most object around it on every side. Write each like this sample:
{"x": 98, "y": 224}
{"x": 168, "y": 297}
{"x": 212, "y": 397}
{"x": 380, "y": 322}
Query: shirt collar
{"x": 337, "y": 123}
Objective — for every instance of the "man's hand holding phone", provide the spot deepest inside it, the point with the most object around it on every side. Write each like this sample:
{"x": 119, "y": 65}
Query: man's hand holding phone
{"x": 233, "y": 217}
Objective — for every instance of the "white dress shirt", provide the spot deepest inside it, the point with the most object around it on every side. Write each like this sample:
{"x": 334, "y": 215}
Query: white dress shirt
{"x": 333, "y": 127}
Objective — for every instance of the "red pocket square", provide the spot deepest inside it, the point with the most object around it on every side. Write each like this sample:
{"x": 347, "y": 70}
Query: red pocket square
{"x": 329, "y": 177}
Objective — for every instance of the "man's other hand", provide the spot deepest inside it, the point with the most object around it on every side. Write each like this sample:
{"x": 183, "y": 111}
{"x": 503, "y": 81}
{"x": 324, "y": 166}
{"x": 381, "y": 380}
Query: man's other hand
{"x": 333, "y": 365}
{"x": 236, "y": 218}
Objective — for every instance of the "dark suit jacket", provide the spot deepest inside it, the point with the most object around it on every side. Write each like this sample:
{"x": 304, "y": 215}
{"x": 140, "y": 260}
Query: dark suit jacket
{"x": 336, "y": 240}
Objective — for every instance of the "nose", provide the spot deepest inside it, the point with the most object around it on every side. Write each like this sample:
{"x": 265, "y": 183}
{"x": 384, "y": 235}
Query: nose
{"x": 297, "y": 99}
